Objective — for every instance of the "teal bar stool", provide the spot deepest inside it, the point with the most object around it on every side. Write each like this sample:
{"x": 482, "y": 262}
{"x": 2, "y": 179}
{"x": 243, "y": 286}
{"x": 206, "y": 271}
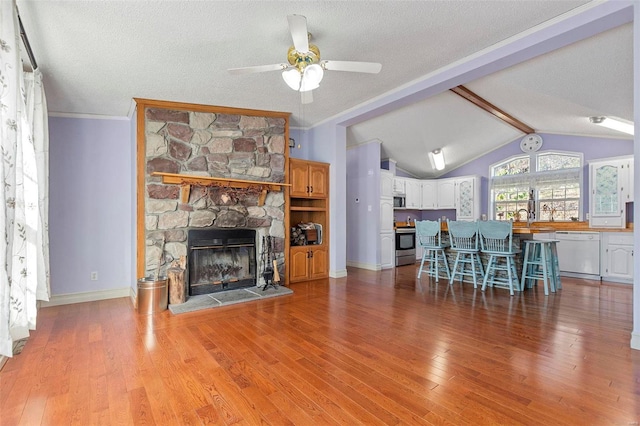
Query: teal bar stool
{"x": 555, "y": 265}
{"x": 464, "y": 241}
{"x": 428, "y": 236}
{"x": 496, "y": 240}
{"x": 538, "y": 265}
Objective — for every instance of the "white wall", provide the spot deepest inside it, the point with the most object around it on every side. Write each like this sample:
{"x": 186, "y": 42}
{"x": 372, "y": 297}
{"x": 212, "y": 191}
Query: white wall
{"x": 635, "y": 334}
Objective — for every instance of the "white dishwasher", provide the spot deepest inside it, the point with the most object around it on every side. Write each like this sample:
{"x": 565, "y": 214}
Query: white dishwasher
{"x": 579, "y": 252}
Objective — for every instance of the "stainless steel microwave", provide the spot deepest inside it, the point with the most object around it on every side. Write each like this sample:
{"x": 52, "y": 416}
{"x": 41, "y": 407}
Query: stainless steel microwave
{"x": 399, "y": 202}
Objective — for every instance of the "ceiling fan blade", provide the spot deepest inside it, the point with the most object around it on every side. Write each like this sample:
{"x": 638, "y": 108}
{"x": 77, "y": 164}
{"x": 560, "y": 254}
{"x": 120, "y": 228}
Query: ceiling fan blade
{"x": 258, "y": 68}
{"x": 368, "y": 67}
{"x": 306, "y": 97}
{"x": 299, "y": 34}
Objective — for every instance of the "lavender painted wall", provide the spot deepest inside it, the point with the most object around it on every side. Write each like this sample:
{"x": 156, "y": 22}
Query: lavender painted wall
{"x": 591, "y": 147}
{"x": 299, "y": 135}
{"x": 328, "y": 143}
{"x": 363, "y": 204}
{"x": 91, "y": 192}
{"x": 133, "y": 153}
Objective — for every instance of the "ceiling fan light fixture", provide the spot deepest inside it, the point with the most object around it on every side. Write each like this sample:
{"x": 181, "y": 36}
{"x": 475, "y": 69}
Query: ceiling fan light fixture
{"x": 292, "y": 77}
{"x": 436, "y": 157}
{"x": 311, "y": 77}
{"x": 614, "y": 123}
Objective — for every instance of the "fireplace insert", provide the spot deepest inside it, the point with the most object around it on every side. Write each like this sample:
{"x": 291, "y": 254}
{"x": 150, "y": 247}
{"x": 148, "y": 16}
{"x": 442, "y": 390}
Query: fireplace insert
{"x": 221, "y": 259}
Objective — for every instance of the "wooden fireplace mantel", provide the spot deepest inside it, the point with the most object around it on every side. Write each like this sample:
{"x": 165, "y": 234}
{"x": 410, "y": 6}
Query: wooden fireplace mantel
{"x": 185, "y": 182}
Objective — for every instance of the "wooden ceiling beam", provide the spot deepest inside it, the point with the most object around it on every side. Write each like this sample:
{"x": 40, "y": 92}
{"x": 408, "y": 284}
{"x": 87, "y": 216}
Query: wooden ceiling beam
{"x": 491, "y": 109}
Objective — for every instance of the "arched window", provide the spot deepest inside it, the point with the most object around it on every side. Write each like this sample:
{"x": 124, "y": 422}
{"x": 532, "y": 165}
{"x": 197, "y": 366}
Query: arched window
{"x": 547, "y": 183}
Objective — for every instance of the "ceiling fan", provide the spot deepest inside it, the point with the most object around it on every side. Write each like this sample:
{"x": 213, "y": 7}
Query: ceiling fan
{"x": 304, "y": 69}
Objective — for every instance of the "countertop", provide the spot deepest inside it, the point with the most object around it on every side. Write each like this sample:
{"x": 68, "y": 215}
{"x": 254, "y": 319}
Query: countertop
{"x": 521, "y": 228}
{"x": 540, "y": 227}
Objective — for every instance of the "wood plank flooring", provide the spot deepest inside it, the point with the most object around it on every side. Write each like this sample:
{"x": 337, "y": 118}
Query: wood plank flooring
{"x": 372, "y": 348}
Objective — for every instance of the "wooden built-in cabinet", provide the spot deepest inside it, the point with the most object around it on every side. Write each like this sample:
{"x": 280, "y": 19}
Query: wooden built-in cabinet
{"x": 308, "y": 263}
{"x": 309, "y": 179}
{"x": 309, "y": 202}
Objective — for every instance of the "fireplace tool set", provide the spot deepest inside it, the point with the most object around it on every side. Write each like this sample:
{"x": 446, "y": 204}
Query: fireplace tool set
{"x": 269, "y": 264}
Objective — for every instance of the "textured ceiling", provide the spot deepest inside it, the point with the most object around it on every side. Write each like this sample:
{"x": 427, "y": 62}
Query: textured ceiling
{"x": 97, "y": 55}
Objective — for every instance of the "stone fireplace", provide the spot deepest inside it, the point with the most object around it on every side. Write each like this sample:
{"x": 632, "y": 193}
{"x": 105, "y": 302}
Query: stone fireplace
{"x": 194, "y": 142}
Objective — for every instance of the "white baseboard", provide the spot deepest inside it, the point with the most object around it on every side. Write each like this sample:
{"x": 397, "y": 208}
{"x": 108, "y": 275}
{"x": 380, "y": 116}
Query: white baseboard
{"x": 635, "y": 340}
{"x": 3, "y": 361}
{"x": 368, "y": 266}
{"x": 338, "y": 274}
{"x": 133, "y": 295}
{"x": 89, "y": 296}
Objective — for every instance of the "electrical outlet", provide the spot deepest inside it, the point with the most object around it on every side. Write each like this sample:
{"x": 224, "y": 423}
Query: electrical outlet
{"x": 94, "y": 276}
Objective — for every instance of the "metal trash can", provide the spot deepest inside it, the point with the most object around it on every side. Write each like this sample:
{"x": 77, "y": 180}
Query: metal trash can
{"x": 152, "y": 295}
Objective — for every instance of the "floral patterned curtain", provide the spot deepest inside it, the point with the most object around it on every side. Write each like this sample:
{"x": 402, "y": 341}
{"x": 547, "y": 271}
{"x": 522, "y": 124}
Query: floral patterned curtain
{"x": 24, "y": 254}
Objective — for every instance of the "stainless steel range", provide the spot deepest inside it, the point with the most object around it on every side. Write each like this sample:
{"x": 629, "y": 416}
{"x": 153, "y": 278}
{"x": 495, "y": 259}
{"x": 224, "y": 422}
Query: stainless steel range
{"x": 405, "y": 246}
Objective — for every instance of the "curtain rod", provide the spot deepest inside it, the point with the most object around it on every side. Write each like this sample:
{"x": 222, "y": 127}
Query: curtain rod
{"x": 25, "y": 41}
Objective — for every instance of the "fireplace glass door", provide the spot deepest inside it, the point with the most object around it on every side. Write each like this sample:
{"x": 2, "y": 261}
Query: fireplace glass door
{"x": 221, "y": 260}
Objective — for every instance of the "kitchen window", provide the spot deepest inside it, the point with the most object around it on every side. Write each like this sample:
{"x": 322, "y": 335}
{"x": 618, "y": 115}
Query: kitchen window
{"x": 554, "y": 177}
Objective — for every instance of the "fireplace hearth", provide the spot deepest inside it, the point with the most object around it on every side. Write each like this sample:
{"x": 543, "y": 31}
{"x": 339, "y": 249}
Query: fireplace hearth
{"x": 221, "y": 259}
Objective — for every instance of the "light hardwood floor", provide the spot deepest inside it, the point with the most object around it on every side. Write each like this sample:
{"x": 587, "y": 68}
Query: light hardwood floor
{"x": 372, "y": 348}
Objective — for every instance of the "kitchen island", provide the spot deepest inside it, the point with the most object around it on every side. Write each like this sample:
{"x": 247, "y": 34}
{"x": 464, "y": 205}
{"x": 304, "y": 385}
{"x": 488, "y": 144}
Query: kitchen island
{"x": 612, "y": 260}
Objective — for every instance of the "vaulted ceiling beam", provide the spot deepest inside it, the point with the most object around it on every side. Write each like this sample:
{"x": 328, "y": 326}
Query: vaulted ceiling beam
{"x": 492, "y": 109}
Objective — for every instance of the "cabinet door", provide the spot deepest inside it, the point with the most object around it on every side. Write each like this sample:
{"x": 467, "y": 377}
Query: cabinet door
{"x": 318, "y": 262}
{"x": 398, "y": 185}
{"x": 412, "y": 187}
{"x": 429, "y": 199}
{"x": 629, "y": 181}
{"x": 446, "y": 194}
{"x": 318, "y": 180}
{"x": 387, "y": 250}
{"x": 466, "y": 202}
{"x": 619, "y": 261}
{"x": 299, "y": 179}
{"x": 386, "y": 183}
{"x": 299, "y": 263}
{"x": 386, "y": 215}
{"x": 605, "y": 189}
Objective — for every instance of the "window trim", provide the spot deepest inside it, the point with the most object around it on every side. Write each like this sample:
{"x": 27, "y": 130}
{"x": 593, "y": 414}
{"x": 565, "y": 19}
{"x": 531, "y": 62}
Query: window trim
{"x": 533, "y": 170}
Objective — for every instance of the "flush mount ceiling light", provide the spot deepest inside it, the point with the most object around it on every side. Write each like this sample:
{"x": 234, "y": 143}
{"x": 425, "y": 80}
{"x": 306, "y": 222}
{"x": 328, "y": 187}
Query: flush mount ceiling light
{"x": 436, "y": 157}
{"x": 614, "y": 123}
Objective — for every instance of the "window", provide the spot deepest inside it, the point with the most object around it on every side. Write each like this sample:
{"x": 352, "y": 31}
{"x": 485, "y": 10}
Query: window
{"x": 547, "y": 183}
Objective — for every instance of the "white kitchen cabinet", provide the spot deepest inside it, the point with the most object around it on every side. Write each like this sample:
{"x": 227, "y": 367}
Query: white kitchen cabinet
{"x": 419, "y": 251}
{"x": 617, "y": 256}
{"x": 387, "y": 250}
{"x": 429, "y": 198}
{"x": 387, "y": 236}
{"x": 446, "y": 194}
{"x": 609, "y": 184}
{"x": 386, "y": 183}
{"x": 399, "y": 185}
{"x": 467, "y": 200}
{"x": 628, "y": 191}
{"x": 386, "y": 214}
{"x": 413, "y": 194}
